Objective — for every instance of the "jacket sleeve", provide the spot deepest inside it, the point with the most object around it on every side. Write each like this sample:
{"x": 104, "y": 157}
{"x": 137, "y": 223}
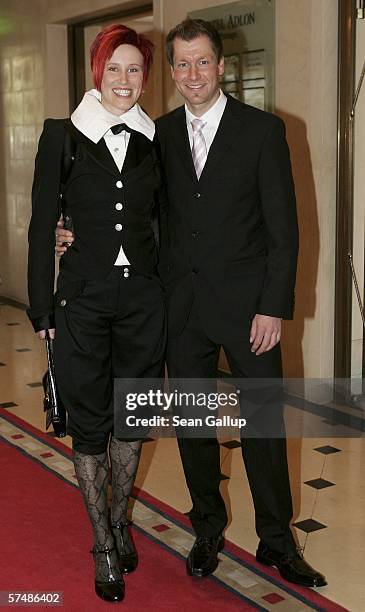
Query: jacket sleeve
{"x": 280, "y": 219}
{"x": 45, "y": 214}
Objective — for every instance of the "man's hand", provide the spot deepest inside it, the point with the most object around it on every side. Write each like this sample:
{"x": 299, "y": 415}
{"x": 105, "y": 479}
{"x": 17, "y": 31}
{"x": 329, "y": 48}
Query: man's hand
{"x": 265, "y": 333}
{"x": 42, "y": 334}
{"x": 64, "y": 239}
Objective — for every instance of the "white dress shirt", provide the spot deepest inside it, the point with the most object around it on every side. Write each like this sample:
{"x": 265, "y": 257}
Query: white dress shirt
{"x": 94, "y": 121}
{"x": 211, "y": 118}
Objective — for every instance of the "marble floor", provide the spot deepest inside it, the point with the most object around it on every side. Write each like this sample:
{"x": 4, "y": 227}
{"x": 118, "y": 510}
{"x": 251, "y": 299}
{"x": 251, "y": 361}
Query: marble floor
{"x": 327, "y": 475}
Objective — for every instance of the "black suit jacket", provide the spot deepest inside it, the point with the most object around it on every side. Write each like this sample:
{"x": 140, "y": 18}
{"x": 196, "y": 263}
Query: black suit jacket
{"x": 232, "y": 236}
{"x": 91, "y": 194}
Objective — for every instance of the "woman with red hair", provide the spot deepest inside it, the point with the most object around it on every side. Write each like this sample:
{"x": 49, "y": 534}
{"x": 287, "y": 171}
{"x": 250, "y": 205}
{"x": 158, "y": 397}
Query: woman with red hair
{"x": 107, "y": 317}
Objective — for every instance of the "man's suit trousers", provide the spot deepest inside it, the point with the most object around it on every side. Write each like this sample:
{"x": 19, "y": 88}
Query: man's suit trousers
{"x": 193, "y": 355}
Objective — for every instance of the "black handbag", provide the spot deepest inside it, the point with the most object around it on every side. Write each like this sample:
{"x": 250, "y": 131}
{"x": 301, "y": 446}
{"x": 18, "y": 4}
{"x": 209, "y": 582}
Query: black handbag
{"x": 53, "y": 406}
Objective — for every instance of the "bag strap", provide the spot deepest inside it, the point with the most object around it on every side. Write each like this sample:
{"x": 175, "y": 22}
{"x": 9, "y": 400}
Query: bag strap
{"x": 68, "y": 158}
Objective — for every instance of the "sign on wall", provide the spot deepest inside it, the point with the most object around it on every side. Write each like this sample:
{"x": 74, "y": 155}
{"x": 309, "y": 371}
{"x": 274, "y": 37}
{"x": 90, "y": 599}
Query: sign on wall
{"x": 247, "y": 29}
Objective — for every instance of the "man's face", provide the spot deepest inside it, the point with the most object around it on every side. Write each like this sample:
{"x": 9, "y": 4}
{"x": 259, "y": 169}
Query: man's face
{"x": 196, "y": 73}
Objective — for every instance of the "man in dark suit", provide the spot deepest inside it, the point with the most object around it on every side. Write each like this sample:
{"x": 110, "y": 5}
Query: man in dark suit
{"x": 230, "y": 276}
{"x": 229, "y": 263}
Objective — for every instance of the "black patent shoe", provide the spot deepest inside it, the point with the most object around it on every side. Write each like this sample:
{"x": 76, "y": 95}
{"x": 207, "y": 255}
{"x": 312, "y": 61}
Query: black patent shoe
{"x": 127, "y": 553}
{"x": 112, "y": 588}
{"x": 292, "y": 566}
{"x": 203, "y": 557}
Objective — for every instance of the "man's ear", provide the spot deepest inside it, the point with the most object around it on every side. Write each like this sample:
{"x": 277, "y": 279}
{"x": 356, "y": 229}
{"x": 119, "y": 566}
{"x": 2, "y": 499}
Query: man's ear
{"x": 172, "y": 71}
{"x": 221, "y": 66}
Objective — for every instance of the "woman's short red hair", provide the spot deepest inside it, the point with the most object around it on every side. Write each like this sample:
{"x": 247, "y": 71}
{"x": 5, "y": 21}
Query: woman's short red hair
{"x": 108, "y": 40}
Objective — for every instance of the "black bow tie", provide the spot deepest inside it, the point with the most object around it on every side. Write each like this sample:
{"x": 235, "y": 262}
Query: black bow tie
{"x": 117, "y": 129}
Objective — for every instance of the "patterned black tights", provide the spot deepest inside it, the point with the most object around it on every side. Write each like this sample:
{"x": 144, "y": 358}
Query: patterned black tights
{"x": 124, "y": 459}
{"x": 92, "y": 472}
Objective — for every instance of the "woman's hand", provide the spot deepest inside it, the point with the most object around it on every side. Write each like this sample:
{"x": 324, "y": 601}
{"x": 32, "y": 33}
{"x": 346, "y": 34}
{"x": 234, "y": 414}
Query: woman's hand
{"x": 42, "y": 334}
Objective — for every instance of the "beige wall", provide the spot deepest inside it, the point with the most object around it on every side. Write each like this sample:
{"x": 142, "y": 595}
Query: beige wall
{"x": 22, "y": 73}
{"x": 306, "y": 99}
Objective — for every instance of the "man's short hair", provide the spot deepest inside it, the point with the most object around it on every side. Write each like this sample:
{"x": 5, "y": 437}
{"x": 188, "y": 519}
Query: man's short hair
{"x": 190, "y": 29}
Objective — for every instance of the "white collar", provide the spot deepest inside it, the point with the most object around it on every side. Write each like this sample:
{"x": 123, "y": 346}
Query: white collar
{"x": 213, "y": 114}
{"x": 93, "y": 120}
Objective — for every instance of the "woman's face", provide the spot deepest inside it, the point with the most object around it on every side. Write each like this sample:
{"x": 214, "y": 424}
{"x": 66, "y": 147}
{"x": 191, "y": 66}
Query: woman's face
{"x": 122, "y": 81}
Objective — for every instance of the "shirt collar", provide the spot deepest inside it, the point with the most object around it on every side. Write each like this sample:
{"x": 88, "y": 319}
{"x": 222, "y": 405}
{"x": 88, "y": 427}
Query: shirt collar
{"x": 213, "y": 114}
{"x": 93, "y": 120}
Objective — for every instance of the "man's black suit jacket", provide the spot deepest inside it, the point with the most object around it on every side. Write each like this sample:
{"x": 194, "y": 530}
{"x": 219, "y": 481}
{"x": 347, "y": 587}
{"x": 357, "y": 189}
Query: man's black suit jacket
{"x": 232, "y": 237}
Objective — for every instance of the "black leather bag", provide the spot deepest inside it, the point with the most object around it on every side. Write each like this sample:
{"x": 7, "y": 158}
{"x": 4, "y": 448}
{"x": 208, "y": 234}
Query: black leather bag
{"x": 53, "y": 407}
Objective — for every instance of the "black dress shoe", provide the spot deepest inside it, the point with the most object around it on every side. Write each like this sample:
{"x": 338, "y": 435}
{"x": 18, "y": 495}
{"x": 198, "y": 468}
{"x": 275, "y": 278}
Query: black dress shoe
{"x": 292, "y": 566}
{"x": 112, "y": 589}
{"x": 127, "y": 553}
{"x": 203, "y": 557}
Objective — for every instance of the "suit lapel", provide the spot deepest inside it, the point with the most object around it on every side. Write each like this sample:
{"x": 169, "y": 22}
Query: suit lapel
{"x": 138, "y": 148}
{"x": 228, "y": 130}
{"x": 99, "y": 151}
{"x": 179, "y": 134}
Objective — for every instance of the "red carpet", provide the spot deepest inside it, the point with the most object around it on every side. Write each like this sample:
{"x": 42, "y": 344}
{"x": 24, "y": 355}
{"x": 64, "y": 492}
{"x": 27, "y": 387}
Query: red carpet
{"x": 45, "y": 543}
{"x": 159, "y": 584}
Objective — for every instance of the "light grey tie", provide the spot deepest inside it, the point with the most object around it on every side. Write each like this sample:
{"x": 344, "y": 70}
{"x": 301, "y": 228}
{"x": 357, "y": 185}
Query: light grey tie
{"x": 199, "y": 149}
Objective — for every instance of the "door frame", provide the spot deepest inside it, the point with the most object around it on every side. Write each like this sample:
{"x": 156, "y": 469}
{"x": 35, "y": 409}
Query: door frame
{"x": 347, "y": 11}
